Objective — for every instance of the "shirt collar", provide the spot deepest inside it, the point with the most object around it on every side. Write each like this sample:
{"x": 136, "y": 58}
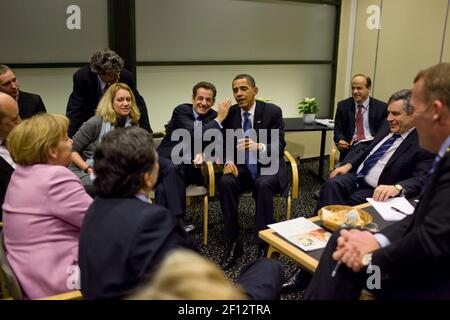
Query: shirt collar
{"x": 365, "y": 104}
{"x": 102, "y": 83}
{"x": 195, "y": 113}
{"x": 141, "y": 197}
{"x": 444, "y": 147}
{"x": 251, "y": 111}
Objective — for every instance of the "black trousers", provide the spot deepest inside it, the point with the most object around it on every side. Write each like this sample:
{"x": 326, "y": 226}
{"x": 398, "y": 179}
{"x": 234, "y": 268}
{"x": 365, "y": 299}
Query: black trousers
{"x": 263, "y": 190}
{"x": 343, "y": 190}
{"x": 170, "y": 191}
{"x": 262, "y": 279}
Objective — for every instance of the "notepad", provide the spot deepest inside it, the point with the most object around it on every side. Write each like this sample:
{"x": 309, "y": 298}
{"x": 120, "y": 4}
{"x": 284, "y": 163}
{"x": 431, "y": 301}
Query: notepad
{"x": 384, "y": 208}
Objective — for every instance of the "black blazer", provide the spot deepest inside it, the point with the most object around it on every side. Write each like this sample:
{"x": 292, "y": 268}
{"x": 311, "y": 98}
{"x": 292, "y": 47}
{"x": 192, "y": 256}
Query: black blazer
{"x": 121, "y": 241}
{"x": 86, "y": 94}
{"x": 344, "y": 121}
{"x": 30, "y": 104}
{"x": 5, "y": 175}
{"x": 267, "y": 116}
{"x": 408, "y": 165}
{"x": 183, "y": 118}
{"x": 418, "y": 259}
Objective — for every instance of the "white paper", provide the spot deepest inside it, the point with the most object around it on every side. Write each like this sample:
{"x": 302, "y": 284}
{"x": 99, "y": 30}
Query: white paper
{"x": 303, "y": 233}
{"x": 326, "y": 122}
{"x": 384, "y": 208}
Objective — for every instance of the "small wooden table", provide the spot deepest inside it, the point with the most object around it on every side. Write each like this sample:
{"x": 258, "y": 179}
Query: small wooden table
{"x": 307, "y": 260}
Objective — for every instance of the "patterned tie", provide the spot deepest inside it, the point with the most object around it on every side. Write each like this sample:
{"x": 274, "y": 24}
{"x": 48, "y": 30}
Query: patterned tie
{"x": 359, "y": 124}
{"x": 250, "y": 156}
{"x": 373, "y": 159}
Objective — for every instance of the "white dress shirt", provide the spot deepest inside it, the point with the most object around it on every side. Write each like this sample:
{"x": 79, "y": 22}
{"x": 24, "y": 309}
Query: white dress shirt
{"x": 373, "y": 175}
{"x": 4, "y": 153}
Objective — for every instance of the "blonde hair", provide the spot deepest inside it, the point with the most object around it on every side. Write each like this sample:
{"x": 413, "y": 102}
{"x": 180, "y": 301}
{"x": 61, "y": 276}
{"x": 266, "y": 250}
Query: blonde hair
{"x": 186, "y": 275}
{"x": 31, "y": 140}
{"x": 105, "y": 108}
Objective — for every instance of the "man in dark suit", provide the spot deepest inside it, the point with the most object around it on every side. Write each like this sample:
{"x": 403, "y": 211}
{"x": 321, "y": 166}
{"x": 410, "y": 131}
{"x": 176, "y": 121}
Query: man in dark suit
{"x": 250, "y": 168}
{"x": 358, "y": 117}
{"x": 411, "y": 258}
{"x": 89, "y": 83}
{"x": 9, "y": 118}
{"x": 392, "y": 165}
{"x": 190, "y": 117}
{"x": 29, "y": 103}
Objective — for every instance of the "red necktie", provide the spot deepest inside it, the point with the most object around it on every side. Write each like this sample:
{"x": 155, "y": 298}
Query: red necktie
{"x": 359, "y": 124}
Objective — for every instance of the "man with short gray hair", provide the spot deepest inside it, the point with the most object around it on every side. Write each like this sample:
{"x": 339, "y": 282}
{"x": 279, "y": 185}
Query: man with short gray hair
{"x": 92, "y": 80}
{"x": 29, "y": 103}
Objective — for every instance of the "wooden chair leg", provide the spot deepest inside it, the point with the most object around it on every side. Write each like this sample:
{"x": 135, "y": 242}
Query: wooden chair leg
{"x": 205, "y": 220}
{"x": 288, "y": 207}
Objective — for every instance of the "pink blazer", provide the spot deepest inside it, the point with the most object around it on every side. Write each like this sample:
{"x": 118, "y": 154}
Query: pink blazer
{"x": 43, "y": 211}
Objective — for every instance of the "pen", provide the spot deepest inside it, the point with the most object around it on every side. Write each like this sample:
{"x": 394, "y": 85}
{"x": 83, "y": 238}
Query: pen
{"x": 398, "y": 210}
{"x": 338, "y": 264}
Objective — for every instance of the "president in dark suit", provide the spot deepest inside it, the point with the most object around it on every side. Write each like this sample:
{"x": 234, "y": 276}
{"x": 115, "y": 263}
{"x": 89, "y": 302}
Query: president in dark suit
{"x": 29, "y": 103}
{"x": 358, "y": 117}
{"x": 259, "y": 168}
{"x": 9, "y": 118}
{"x": 91, "y": 81}
{"x": 191, "y": 117}
{"x": 393, "y": 164}
{"x": 411, "y": 258}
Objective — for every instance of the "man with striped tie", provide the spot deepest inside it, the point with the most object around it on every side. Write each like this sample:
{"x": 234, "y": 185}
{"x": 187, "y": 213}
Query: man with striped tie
{"x": 392, "y": 165}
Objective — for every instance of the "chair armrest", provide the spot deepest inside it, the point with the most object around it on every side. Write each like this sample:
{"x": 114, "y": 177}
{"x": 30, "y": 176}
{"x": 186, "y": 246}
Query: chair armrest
{"x": 71, "y": 295}
{"x": 209, "y": 177}
{"x": 294, "y": 170}
{"x": 333, "y": 155}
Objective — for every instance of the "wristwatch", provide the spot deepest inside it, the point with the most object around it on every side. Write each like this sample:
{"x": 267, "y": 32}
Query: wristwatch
{"x": 399, "y": 188}
{"x": 366, "y": 260}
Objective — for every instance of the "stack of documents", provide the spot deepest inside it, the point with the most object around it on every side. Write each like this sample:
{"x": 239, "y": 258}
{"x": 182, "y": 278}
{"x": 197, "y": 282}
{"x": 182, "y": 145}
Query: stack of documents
{"x": 303, "y": 233}
{"x": 393, "y": 209}
{"x": 325, "y": 122}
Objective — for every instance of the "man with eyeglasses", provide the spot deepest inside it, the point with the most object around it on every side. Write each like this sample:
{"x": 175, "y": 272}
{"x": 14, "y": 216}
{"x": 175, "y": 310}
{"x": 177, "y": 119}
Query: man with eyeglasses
{"x": 92, "y": 80}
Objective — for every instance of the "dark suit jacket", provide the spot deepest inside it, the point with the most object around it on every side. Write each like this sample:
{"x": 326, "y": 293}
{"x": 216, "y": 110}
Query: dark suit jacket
{"x": 344, "y": 121}
{"x": 407, "y": 166}
{"x": 86, "y": 94}
{"x": 5, "y": 174}
{"x": 418, "y": 259}
{"x": 267, "y": 116}
{"x": 30, "y": 104}
{"x": 183, "y": 118}
{"x": 121, "y": 241}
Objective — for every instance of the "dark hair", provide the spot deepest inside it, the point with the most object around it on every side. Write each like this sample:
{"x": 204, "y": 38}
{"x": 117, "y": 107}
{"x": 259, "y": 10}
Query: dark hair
{"x": 368, "y": 80}
{"x": 105, "y": 61}
{"x": 248, "y": 77}
{"x": 204, "y": 85}
{"x": 120, "y": 161}
{"x": 404, "y": 94}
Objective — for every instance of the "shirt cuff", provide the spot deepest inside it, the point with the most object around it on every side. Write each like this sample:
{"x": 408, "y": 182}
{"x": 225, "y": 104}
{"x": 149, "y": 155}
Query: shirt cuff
{"x": 218, "y": 122}
{"x": 382, "y": 240}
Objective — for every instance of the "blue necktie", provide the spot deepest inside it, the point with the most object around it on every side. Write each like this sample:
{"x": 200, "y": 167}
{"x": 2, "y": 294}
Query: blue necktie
{"x": 430, "y": 172}
{"x": 373, "y": 159}
{"x": 250, "y": 156}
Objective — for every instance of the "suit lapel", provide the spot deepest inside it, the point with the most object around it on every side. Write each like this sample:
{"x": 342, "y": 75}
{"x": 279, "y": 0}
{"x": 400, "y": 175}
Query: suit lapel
{"x": 351, "y": 115}
{"x": 259, "y": 112}
{"x": 410, "y": 139}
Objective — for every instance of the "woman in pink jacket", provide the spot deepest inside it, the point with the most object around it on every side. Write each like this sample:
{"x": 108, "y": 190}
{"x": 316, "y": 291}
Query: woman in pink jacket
{"x": 44, "y": 207}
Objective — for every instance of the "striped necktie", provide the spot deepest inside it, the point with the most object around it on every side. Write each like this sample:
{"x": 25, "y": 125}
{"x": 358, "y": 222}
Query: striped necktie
{"x": 373, "y": 159}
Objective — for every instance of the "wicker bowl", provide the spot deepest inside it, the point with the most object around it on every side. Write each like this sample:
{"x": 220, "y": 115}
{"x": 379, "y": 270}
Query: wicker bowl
{"x": 340, "y": 216}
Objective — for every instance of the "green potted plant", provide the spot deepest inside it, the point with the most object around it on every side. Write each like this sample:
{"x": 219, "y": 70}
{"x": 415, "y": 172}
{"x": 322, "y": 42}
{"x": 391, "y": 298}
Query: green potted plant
{"x": 309, "y": 108}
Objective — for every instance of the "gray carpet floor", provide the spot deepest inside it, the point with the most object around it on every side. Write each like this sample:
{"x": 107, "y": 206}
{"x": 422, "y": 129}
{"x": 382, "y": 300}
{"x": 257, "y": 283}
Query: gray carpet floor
{"x": 301, "y": 207}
